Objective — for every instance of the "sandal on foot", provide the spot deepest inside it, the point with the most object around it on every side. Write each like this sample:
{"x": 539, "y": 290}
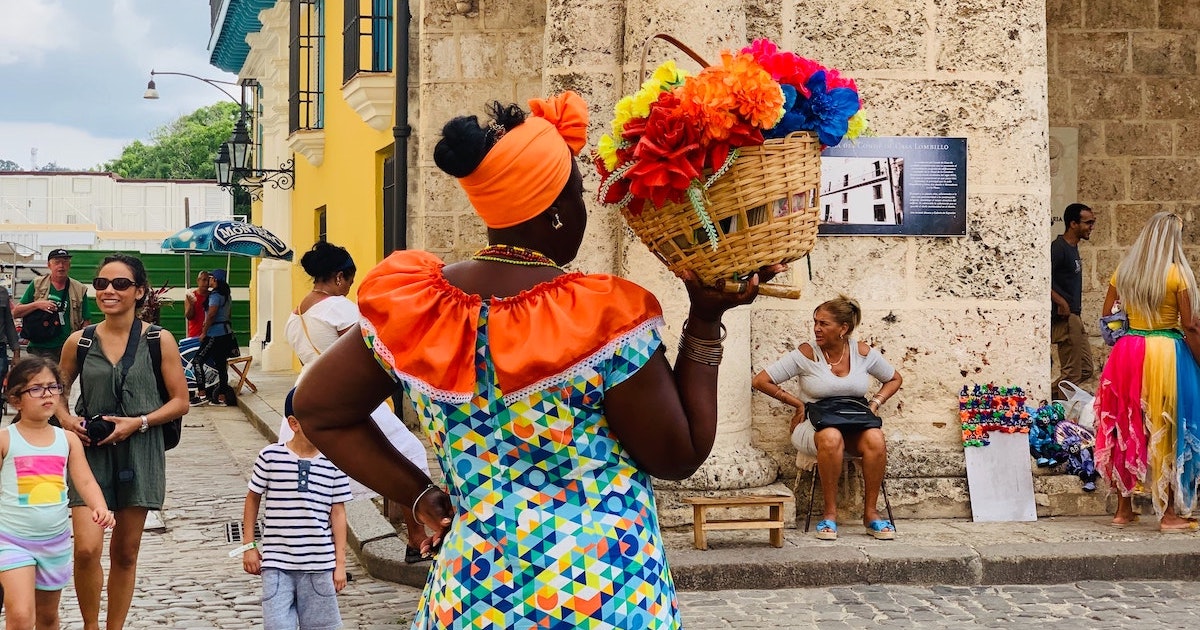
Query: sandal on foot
{"x": 827, "y": 530}
{"x": 1136, "y": 518}
{"x": 881, "y": 529}
{"x": 1185, "y": 528}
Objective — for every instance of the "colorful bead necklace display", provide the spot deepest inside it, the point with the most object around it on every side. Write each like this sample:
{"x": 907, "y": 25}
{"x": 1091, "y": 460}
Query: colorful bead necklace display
{"x": 986, "y": 408}
{"x": 514, "y": 255}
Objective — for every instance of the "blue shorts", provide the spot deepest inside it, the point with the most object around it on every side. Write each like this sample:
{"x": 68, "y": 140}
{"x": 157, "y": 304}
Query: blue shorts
{"x": 50, "y": 558}
{"x": 299, "y": 599}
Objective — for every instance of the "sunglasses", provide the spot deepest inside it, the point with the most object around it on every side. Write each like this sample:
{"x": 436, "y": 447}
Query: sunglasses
{"x": 119, "y": 284}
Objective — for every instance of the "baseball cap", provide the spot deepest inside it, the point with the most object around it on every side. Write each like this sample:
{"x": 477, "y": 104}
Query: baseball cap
{"x": 288, "y": 411}
{"x": 58, "y": 253}
{"x": 218, "y": 274}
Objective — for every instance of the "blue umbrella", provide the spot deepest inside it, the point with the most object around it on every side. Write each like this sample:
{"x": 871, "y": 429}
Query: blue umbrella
{"x": 228, "y": 237}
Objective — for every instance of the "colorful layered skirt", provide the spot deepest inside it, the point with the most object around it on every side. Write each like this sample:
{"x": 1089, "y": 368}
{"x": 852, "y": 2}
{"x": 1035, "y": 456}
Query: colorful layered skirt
{"x": 1148, "y": 419}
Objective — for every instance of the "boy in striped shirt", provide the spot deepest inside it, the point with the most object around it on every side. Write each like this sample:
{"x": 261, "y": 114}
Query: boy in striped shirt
{"x": 302, "y": 554}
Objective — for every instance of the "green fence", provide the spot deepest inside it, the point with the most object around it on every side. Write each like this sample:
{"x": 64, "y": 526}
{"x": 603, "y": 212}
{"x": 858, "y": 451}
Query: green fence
{"x": 168, "y": 268}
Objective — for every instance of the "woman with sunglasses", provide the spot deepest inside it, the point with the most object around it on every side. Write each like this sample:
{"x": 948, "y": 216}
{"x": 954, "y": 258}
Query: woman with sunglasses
{"x": 117, "y": 381}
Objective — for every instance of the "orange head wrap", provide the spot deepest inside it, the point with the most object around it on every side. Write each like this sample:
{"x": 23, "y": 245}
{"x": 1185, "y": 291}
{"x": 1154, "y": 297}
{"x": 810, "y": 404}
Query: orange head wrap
{"x": 528, "y": 167}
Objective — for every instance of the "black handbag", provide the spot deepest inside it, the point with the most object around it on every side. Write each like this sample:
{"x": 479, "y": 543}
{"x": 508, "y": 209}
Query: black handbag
{"x": 842, "y": 412}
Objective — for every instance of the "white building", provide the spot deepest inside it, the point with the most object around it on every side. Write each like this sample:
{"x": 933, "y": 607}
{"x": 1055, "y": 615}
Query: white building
{"x": 83, "y": 210}
{"x": 863, "y": 191}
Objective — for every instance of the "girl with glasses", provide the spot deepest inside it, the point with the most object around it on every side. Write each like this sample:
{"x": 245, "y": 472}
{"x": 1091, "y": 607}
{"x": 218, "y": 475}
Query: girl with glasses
{"x": 35, "y": 532}
{"x": 117, "y": 381}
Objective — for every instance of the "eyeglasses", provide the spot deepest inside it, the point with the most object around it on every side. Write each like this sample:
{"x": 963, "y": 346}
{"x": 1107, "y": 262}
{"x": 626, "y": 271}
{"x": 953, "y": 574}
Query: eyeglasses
{"x": 41, "y": 391}
{"x": 119, "y": 284}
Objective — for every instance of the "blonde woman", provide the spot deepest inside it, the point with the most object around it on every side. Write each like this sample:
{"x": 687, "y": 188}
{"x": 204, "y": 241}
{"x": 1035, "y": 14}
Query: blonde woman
{"x": 837, "y": 365}
{"x": 1148, "y": 402}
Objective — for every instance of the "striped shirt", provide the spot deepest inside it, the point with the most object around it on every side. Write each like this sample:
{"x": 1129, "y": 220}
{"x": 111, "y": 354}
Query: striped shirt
{"x": 298, "y": 496}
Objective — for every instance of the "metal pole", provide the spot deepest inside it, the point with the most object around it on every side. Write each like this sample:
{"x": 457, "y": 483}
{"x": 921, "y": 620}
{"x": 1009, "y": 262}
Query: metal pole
{"x": 187, "y": 257}
{"x": 401, "y": 130}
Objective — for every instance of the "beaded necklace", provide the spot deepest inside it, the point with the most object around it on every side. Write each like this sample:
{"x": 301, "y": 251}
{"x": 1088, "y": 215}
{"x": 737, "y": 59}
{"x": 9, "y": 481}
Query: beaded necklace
{"x": 514, "y": 255}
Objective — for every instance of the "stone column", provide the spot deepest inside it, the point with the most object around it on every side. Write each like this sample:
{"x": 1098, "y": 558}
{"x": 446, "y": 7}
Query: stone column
{"x": 735, "y": 463}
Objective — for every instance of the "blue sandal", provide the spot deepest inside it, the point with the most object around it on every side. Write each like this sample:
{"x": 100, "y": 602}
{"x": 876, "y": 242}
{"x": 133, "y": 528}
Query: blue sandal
{"x": 827, "y": 530}
{"x": 882, "y": 529}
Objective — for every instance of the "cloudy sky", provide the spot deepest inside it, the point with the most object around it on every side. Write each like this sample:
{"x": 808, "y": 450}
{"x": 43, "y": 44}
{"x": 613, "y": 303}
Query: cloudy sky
{"x": 72, "y": 74}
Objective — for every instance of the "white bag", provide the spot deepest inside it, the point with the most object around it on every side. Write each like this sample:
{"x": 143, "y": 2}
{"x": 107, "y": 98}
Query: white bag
{"x": 1080, "y": 405}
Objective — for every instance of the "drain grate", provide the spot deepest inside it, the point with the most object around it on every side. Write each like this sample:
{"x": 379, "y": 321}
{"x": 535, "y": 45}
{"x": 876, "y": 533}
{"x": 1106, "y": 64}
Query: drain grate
{"x": 233, "y": 531}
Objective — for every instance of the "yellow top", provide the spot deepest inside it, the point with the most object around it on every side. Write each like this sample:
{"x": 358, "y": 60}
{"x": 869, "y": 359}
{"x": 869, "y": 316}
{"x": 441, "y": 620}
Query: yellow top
{"x": 1167, "y": 315}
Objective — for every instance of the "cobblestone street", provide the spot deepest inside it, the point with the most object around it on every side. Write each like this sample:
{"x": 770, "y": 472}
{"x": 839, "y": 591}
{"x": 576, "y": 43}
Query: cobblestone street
{"x": 187, "y": 580}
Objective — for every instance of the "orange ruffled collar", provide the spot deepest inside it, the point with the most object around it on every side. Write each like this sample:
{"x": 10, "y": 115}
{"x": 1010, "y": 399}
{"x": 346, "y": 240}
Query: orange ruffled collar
{"x": 425, "y": 328}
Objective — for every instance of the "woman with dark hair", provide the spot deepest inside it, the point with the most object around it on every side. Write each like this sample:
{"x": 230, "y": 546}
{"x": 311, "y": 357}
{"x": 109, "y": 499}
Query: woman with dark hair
{"x": 547, "y": 395}
{"x": 321, "y": 317}
{"x": 217, "y": 344}
{"x": 837, "y": 365}
{"x": 117, "y": 381}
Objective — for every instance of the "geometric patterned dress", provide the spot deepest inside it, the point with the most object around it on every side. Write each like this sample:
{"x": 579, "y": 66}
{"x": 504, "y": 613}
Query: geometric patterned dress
{"x": 555, "y": 526}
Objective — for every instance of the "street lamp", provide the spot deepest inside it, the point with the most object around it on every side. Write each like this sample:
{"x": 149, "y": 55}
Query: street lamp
{"x": 233, "y": 163}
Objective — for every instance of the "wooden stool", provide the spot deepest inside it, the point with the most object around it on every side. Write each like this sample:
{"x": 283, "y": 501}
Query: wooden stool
{"x": 774, "y": 522}
{"x": 241, "y": 367}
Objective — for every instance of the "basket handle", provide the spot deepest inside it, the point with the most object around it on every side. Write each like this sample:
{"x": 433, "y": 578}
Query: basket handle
{"x": 769, "y": 290}
{"x": 671, "y": 40}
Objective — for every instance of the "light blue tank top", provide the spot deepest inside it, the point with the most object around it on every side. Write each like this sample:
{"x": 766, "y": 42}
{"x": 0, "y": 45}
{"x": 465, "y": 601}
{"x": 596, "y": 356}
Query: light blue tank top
{"x": 33, "y": 487}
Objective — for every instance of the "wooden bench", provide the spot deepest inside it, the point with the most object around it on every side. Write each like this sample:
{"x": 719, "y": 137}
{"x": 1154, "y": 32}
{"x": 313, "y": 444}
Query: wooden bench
{"x": 774, "y": 522}
{"x": 241, "y": 367}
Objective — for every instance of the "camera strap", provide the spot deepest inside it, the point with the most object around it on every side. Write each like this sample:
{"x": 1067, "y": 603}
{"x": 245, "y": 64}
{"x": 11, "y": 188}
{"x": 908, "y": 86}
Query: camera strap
{"x": 81, "y": 351}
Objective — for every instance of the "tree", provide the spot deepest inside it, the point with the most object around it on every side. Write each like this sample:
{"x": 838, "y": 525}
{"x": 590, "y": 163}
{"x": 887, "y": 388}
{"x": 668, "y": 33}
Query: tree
{"x": 9, "y": 165}
{"x": 183, "y": 149}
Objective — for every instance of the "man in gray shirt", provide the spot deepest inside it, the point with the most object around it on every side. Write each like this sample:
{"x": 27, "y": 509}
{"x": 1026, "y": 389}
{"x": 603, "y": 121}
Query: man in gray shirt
{"x": 1066, "y": 292}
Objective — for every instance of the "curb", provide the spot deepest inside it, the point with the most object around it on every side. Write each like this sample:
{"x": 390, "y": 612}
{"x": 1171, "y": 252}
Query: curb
{"x": 1024, "y": 563}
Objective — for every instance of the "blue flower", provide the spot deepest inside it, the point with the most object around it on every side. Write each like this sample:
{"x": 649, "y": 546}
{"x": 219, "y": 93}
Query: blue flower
{"x": 826, "y": 112}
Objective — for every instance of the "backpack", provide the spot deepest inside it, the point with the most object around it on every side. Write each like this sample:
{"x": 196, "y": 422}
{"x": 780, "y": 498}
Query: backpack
{"x": 40, "y": 326}
{"x": 173, "y": 430}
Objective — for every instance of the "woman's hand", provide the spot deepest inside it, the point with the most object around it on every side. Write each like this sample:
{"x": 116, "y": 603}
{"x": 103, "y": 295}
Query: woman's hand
{"x": 75, "y": 424}
{"x": 125, "y": 428}
{"x": 874, "y": 406}
{"x": 797, "y": 418}
{"x": 710, "y": 302}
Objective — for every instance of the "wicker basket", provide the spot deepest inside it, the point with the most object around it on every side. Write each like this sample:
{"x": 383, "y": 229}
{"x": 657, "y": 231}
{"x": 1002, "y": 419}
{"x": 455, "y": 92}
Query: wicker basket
{"x": 765, "y": 209}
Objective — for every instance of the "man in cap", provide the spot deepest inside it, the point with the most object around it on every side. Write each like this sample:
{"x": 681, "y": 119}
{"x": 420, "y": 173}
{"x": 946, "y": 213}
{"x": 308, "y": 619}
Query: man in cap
{"x": 56, "y": 292}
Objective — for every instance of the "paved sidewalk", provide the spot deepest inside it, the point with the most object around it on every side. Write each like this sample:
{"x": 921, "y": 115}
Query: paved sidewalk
{"x": 930, "y": 551}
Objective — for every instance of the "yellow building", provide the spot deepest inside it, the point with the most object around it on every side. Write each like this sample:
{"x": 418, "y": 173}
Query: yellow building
{"x": 299, "y": 52}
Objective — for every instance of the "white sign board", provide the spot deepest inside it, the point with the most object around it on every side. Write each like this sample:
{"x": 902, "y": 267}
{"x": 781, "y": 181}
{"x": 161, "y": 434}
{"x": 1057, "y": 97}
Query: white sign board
{"x": 1000, "y": 479}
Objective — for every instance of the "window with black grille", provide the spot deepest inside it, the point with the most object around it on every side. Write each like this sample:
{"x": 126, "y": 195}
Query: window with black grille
{"x": 306, "y": 99}
{"x": 367, "y": 37}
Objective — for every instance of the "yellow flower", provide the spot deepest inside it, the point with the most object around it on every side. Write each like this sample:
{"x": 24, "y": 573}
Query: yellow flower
{"x": 622, "y": 112}
{"x": 668, "y": 75}
{"x": 857, "y": 125}
{"x": 607, "y": 149}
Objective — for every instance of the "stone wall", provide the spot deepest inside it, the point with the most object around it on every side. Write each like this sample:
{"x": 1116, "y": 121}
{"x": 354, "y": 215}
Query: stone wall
{"x": 1124, "y": 73}
{"x": 468, "y": 54}
{"x": 944, "y": 311}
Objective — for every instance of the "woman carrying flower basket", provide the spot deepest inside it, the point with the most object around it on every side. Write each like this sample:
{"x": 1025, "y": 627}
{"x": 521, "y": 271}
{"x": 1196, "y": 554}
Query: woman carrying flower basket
{"x": 547, "y": 395}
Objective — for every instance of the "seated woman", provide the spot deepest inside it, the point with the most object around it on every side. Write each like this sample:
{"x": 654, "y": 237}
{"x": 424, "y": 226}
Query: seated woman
{"x": 838, "y": 366}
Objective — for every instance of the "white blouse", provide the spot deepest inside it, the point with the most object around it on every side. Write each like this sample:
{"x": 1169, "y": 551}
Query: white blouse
{"x": 324, "y": 320}
{"x": 817, "y": 380}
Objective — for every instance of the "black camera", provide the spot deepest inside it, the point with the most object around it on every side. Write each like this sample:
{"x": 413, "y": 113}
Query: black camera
{"x": 98, "y": 428}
